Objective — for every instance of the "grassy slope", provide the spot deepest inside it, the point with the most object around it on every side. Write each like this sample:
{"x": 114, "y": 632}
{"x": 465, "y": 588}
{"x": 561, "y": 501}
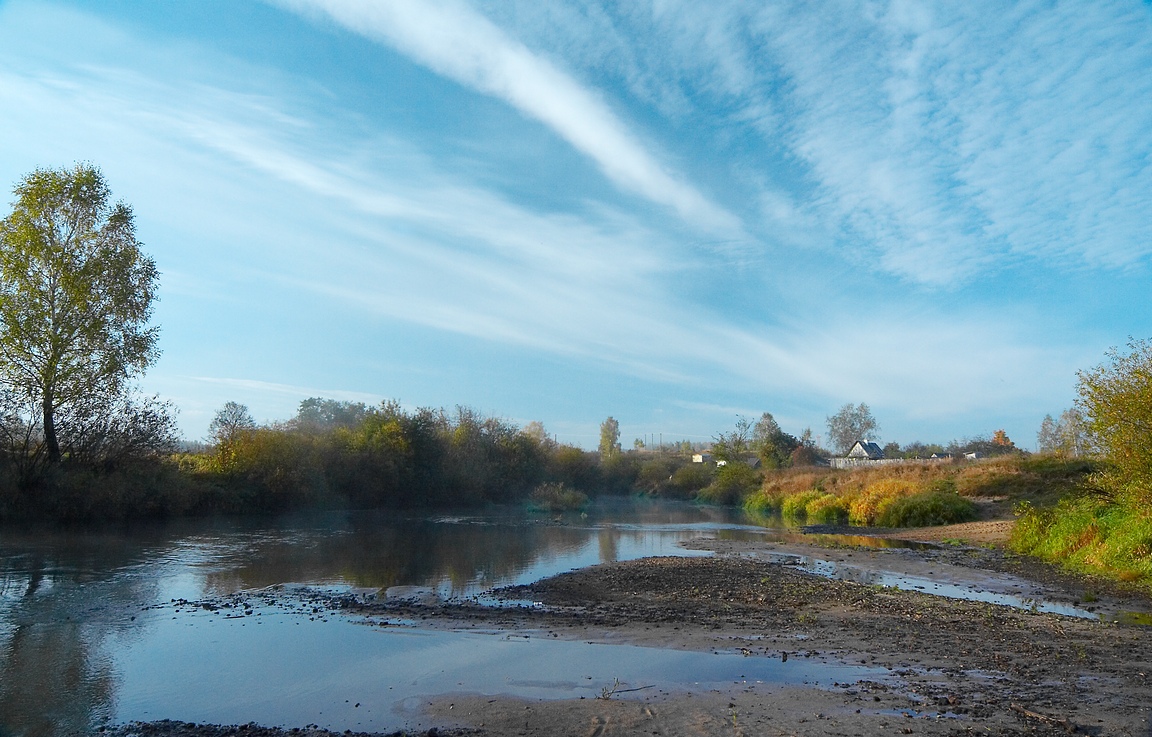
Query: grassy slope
{"x": 1062, "y": 517}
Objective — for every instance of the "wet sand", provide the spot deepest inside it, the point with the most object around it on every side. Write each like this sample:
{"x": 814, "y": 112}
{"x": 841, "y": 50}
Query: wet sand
{"x": 953, "y": 667}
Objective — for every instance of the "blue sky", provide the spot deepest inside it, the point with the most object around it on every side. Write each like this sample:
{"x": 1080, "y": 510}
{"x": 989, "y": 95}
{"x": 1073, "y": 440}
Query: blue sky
{"x": 673, "y": 213}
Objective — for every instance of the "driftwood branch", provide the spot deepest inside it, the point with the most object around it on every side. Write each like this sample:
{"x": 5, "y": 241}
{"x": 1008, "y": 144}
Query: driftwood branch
{"x": 1064, "y": 724}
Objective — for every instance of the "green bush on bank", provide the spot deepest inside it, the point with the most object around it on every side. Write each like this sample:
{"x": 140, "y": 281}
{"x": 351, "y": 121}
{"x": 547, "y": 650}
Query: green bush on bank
{"x": 733, "y": 483}
{"x": 827, "y": 509}
{"x": 925, "y": 509}
{"x": 795, "y": 506}
{"x": 1090, "y": 534}
{"x": 553, "y": 497}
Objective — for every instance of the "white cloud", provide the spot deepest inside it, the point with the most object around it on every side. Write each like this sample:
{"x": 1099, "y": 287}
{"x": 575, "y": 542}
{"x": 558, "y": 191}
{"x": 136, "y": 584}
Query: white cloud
{"x": 249, "y": 386}
{"x": 933, "y": 143}
{"x": 286, "y": 196}
{"x": 454, "y": 40}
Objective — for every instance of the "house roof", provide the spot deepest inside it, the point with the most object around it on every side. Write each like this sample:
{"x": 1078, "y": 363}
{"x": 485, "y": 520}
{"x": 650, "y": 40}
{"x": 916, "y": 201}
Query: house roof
{"x": 866, "y": 449}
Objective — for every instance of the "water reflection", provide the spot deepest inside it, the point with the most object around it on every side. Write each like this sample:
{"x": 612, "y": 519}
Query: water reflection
{"x": 77, "y": 647}
{"x": 57, "y": 609}
{"x": 71, "y": 600}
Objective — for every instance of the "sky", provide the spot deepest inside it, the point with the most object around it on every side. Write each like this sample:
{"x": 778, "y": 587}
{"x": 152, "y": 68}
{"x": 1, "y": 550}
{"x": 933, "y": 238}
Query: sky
{"x": 673, "y": 213}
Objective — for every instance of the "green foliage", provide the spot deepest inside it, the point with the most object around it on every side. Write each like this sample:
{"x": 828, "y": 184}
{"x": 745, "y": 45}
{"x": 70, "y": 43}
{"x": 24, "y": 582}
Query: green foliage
{"x": 553, "y": 497}
{"x": 1091, "y": 534}
{"x": 732, "y": 484}
{"x": 795, "y": 506}
{"x": 317, "y": 414}
{"x": 76, "y": 295}
{"x": 763, "y": 503}
{"x": 619, "y": 473}
{"x": 731, "y": 447}
{"x": 935, "y": 507}
{"x": 654, "y": 474}
{"x": 774, "y": 446}
{"x": 827, "y": 509}
{"x": 609, "y": 438}
{"x": 575, "y": 467}
{"x": 1116, "y": 399}
{"x": 691, "y": 478}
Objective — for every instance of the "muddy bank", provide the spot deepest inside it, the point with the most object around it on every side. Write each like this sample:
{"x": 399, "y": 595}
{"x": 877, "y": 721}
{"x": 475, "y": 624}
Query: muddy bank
{"x": 948, "y": 667}
{"x": 958, "y": 666}
{"x": 171, "y": 728}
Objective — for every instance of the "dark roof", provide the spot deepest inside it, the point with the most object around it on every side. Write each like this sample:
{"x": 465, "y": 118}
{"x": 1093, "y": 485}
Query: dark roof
{"x": 867, "y": 449}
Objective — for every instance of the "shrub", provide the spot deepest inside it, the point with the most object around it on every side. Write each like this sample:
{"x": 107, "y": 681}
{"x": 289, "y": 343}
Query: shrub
{"x": 795, "y": 506}
{"x": 689, "y": 479}
{"x": 763, "y": 502}
{"x": 866, "y": 508}
{"x": 926, "y": 508}
{"x": 827, "y": 509}
{"x": 734, "y": 482}
{"x": 553, "y": 497}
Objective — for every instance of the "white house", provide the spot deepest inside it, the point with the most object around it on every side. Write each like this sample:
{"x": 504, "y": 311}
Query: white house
{"x": 865, "y": 450}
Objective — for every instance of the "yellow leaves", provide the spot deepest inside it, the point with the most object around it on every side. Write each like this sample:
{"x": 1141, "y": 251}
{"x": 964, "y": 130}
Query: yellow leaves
{"x": 866, "y": 508}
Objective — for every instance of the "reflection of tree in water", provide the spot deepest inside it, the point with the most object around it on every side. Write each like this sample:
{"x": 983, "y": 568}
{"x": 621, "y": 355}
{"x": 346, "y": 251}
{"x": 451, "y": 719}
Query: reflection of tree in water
{"x": 378, "y": 550}
{"x": 609, "y": 539}
{"x": 59, "y": 600}
{"x": 49, "y": 682}
{"x": 402, "y": 552}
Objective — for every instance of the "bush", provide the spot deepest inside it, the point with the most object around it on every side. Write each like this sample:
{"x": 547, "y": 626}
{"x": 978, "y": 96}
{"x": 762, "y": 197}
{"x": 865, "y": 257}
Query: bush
{"x": 867, "y": 508}
{"x": 795, "y": 506}
{"x": 763, "y": 502}
{"x": 1089, "y": 534}
{"x": 827, "y": 509}
{"x": 552, "y": 497}
{"x": 924, "y": 509}
{"x": 689, "y": 479}
{"x": 734, "y": 482}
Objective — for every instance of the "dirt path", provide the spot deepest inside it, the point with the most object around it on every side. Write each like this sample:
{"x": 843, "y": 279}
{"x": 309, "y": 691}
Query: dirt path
{"x": 950, "y": 667}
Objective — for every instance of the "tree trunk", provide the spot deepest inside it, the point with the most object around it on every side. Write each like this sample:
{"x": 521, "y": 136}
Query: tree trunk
{"x": 50, "y": 440}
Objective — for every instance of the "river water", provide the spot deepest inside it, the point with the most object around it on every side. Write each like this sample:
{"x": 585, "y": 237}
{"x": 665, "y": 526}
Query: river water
{"x": 91, "y": 632}
{"x": 85, "y": 639}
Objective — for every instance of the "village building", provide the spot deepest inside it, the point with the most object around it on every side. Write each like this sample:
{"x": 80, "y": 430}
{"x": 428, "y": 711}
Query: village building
{"x": 865, "y": 450}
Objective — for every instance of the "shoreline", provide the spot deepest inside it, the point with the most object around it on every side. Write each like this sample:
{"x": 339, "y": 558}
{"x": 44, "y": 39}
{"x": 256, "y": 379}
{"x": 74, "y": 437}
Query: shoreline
{"x": 958, "y": 667}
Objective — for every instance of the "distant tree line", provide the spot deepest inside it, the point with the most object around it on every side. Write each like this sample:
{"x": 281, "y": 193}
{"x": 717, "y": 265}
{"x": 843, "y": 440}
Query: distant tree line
{"x": 78, "y": 438}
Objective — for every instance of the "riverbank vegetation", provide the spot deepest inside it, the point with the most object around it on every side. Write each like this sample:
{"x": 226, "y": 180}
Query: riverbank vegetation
{"x": 1105, "y": 526}
{"x": 79, "y": 441}
{"x": 915, "y": 493}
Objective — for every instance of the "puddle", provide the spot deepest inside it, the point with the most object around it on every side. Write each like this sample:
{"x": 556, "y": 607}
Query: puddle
{"x": 1143, "y": 619}
{"x": 280, "y": 669}
{"x": 965, "y": 591}
{"x": 793, "y": 535}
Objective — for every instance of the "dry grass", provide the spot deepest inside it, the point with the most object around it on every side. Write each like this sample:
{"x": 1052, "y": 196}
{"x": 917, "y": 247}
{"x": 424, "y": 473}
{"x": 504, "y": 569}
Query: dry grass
{"x": 920, "y": 490}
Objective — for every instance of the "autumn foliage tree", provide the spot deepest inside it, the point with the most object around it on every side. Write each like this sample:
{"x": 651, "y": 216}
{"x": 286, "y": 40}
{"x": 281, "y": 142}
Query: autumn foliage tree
{"x": 1115, "y": 399}
{"x": 76, "y": 296}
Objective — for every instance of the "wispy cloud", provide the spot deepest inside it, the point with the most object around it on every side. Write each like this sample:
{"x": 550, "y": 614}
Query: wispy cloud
{"x": 949, "y": 145}
{"x": 934, "y": 144}
{"x": 424, "y": 248}
{"x": 454, "y": 40}
{"x": 887, "y": 139}
{"x": 250, "y": 386}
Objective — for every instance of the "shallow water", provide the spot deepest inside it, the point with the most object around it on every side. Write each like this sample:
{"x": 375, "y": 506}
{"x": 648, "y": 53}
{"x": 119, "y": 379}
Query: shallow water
{"x": 362, "y": 677}
{"x": 77, "y": 633}
{"x": 992, "y": 589}
{"x": 83, "y": 643}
